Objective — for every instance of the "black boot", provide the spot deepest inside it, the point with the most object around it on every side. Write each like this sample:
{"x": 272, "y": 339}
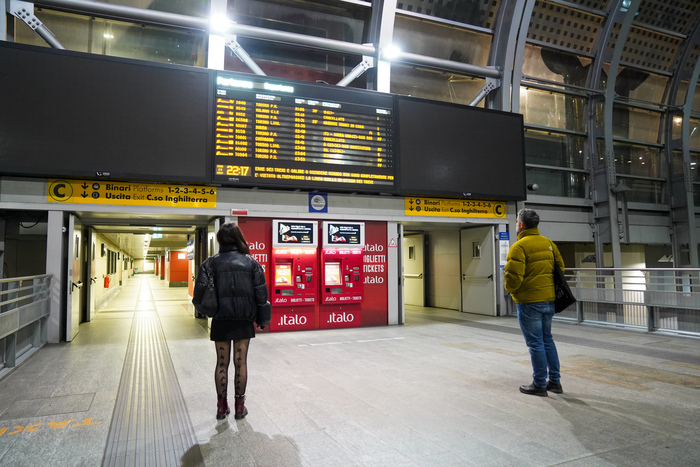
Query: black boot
{"x": 554, "y": 387}
{"x": 534, "y": 390}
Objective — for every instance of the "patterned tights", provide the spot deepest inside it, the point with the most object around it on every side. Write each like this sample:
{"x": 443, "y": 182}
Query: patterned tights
{"x": 240, "y": 361}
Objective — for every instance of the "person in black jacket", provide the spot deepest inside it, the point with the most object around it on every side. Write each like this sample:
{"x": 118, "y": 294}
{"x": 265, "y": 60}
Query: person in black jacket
{"x": 241, "y": 291}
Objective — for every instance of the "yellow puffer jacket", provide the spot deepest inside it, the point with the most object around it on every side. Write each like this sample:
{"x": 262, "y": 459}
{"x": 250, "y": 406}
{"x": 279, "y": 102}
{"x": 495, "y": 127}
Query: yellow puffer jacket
{"x": 528, "y": 273}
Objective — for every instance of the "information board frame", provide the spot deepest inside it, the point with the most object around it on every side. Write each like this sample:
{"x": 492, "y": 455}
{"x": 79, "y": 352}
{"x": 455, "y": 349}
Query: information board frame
{"x": 331, "y": 145}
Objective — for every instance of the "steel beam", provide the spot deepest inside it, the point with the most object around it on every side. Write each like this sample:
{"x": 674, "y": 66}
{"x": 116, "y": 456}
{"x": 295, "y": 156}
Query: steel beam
{"x": 360, "y": 68}
{"x": 507, "y": 50}
{"x": 491, "y": 85}
{"x": 240, "y": 52}
{"x": 604, "y": 177}
{"x": 25, "y": 12}
{"x": 381, "y": 35}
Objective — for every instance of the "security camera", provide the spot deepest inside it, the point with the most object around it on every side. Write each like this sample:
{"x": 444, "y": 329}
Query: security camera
{"x": 533, "y": 187}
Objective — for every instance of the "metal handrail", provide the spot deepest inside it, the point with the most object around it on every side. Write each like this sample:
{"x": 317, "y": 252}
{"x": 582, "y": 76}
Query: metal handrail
{"x": 37, "y": 290}
{"x": 665, "y": 299}
{"x": 24, "y": 278}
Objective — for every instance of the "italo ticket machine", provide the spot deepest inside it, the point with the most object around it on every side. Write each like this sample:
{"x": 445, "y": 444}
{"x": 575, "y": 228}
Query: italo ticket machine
{"x": 294, "y": 288}
{"x": 341, "y": 274}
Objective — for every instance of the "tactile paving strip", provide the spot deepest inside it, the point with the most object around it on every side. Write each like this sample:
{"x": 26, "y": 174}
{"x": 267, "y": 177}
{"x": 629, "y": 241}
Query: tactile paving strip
{"x": 150, "y": 425}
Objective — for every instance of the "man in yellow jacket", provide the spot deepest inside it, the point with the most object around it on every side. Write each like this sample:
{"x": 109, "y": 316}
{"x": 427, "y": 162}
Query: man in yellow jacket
{"x": 529, "y": 279}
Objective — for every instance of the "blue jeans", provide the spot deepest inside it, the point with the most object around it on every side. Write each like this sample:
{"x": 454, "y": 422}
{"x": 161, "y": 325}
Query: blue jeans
{"x": 536, "y": 323}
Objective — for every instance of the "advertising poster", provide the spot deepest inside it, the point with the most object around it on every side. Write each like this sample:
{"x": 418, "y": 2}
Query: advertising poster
{"x": 375, "y": 304}
{"x": 295, "y": 233}
{"x": 346, "y": 234}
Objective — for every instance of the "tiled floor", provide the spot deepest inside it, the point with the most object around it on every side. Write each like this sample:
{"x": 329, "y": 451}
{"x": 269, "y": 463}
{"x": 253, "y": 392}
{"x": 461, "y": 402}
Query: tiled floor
{"x": 441, "y": 390}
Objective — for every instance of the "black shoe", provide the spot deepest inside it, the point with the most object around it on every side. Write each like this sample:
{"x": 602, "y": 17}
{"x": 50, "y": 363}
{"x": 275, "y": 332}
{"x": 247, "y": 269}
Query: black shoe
{"x": 554, "y": 387}
{"x": 534, "y": 390}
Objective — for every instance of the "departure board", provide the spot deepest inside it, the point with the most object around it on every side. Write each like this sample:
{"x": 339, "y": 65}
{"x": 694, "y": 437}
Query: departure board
{"x": 274, "y": 132}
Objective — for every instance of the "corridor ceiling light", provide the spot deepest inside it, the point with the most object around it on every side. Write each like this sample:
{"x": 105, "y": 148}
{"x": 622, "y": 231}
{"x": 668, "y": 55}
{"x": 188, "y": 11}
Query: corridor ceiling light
{"x": 390, "y": 52}
{"x": 219, "y": 23}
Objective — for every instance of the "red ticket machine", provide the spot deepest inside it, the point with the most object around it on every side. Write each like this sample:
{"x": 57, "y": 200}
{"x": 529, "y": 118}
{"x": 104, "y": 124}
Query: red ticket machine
{"x": 294, "y": 278}
{"x": 341, "y": 274}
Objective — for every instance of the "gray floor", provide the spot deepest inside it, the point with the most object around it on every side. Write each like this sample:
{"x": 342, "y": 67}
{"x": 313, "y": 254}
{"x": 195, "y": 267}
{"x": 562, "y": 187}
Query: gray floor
{"x": 441, "y": 390}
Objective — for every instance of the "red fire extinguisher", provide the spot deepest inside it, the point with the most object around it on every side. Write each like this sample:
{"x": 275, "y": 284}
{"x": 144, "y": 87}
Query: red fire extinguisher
{"x": 106, "y": 282}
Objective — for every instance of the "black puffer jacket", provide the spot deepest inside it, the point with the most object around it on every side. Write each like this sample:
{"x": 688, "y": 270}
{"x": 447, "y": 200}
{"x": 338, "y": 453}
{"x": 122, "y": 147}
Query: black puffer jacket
{"x": 240, "y": 286}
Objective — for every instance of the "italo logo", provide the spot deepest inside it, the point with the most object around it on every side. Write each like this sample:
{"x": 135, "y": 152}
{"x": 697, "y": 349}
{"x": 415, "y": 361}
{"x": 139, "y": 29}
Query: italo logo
{"x": 341, "y": 318}
{"x": 295, "y": 320}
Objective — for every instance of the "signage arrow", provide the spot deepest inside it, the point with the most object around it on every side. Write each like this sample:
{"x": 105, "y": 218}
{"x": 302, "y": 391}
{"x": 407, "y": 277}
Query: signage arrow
{"x": 84, "y": 195}
{"x": 84, "y": 186}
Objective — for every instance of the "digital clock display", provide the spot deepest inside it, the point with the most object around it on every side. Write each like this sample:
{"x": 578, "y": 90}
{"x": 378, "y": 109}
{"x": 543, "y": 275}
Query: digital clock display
{"x": 270, "y": 132}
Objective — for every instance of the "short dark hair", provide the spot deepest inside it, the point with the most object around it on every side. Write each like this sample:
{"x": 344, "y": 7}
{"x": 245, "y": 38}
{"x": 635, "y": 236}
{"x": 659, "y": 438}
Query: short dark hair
{"x": 529, "y": 218}
{"x": 231, "y": 235}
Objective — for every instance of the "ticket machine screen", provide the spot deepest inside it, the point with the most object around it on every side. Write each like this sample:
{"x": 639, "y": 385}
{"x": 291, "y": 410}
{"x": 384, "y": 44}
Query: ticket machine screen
{"x": 283, "y": 274}
{"x": 332, "y": 274}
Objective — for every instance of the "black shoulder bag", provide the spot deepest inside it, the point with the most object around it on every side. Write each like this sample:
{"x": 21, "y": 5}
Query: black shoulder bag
{"x": 208, "y": 303}
{"x": 563, "y": 298}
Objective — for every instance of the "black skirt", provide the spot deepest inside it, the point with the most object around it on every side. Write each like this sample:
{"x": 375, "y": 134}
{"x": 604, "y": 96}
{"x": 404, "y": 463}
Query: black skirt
{"x": 223, "y": 330}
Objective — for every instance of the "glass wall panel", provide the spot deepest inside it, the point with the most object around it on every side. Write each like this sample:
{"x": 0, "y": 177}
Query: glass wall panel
{"x": 646, "y": 191}
{"x": 696, "y": 194}
{"x": 479, "y": 13}
{"x": 294, "y": 62}
{"x": 441, "y": 41}
{"x": 682, "y": 91}
{"x": 677, "y": 127}
{"x": 694, "y": 161}
{"x": 436, "y": 85}
{"x": 650, "y": 89}
{"x": 199, "y": 8}
{"x": 636, "y": 124}
{"x": 339, "y": 21}
{"x": 554, "y": 149}
{"x": 639, "y": 160}
{"x": 118, "y": 39}
{"x": 694, "y": 133}
{"x": 557, "y": 183}
{"x": 547, "y": 108}
{"x": 555, "y": 66}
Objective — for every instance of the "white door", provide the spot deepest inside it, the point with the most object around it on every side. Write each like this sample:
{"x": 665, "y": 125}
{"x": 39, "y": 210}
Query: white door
{"x": 413, "y": 270}
{"x": 74, "y": 283}
{"x": 478, "y": 270}
{"x": 212, "y": 243}
{"x": 91, "y": 282}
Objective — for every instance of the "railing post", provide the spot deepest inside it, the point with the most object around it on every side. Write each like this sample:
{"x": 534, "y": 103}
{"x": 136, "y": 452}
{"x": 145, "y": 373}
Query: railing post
{"x": 651, "y": 312}
{"x": 579, "y": 312}
{"x": 10, "y": 350}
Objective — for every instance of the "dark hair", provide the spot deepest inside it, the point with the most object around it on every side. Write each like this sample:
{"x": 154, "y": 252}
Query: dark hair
{"x": 529, "y": 218}
{"x": 231, "y": 235}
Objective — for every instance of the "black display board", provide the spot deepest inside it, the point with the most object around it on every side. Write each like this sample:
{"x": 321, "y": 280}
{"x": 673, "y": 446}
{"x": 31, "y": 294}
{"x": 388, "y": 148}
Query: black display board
{"x": 455, "y": 150}
{"x": 83, "y": 115}
{"x": 281, "y": 133}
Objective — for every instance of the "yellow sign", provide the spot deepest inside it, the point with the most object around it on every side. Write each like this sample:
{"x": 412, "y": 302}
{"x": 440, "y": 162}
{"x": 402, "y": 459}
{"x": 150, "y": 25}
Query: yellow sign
{"x": 130, "y": 194}
{"x": 454, "y": 208}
